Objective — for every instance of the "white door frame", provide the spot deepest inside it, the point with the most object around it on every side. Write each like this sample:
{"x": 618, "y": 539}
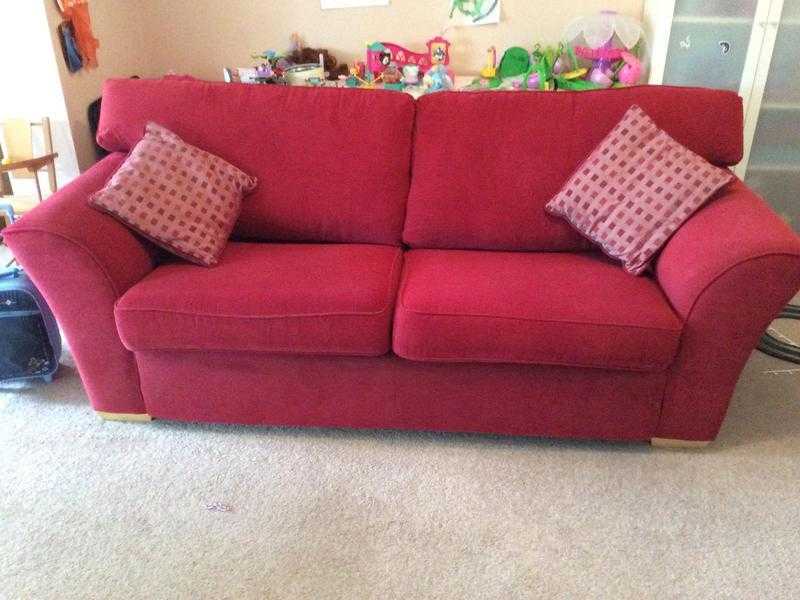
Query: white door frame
{"x": 756, "y": 70}
{"x": 657, "y": 19}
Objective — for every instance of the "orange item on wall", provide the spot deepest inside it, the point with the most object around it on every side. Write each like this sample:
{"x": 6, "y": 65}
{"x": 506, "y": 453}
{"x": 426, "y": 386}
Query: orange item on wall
{"x": 77, "y": 12}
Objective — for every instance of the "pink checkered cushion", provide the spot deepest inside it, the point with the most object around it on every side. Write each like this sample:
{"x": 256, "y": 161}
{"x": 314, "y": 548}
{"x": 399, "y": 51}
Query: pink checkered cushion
{"x": 183, "y": 198}
{"x": 635, "y": 190}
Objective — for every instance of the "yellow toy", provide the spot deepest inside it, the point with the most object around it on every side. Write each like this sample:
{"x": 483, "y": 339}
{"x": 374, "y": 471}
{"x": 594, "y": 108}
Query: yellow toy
{"x": 490, "y": 70}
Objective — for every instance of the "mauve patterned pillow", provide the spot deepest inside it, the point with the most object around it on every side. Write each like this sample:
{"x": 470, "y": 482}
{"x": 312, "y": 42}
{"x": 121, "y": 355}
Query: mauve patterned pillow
{"x": 183, "y": 198}
{"x": 636, "y": 188}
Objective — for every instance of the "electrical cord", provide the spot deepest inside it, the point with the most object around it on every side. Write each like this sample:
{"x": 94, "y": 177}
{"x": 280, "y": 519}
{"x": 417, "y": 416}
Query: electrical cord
{"x": 774, "y": 346}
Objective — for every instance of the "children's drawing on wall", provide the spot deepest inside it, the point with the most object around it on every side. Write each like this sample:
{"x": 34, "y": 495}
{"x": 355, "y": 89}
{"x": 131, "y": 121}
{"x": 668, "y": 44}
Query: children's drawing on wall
{"x": 474, "y": 12}
{"x": 326, "y": 4}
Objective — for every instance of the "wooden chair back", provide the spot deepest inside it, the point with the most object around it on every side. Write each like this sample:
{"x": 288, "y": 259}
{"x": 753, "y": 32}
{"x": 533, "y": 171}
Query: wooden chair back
{"x": 18, "y": 145}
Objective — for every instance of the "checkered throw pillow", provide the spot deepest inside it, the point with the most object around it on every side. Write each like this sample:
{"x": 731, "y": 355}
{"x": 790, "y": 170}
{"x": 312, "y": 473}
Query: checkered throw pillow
{"x": 182, "y": 198}
{"x": 635, "y": 190}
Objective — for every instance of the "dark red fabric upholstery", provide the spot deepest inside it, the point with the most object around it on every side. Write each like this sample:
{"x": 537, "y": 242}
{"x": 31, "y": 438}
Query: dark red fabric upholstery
{"x": 664, "y": 353}
{"x": 727, "y": 271}
{"x": 390, "y": 392}
{"x": 332, "y": 164}
{"x": 297, "y": 298}
{"x": 574, "y": 309}
{"x": 83, "y": 261}
{"x": 485, "y": 164}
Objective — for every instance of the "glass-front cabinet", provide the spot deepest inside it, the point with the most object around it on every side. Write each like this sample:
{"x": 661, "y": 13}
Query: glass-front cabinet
{"x": 751, "y": 47}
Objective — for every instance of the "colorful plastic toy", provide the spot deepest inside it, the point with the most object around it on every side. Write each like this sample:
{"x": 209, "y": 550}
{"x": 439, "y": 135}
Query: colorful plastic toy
{"x": 490, "y": 70}
{"x": 411, "y": 74}
{"x": 516, "y": 61}
{"x": 271, "y": 68}
{"x": 381, "y": 54}
{"x": 610, "y": 41}
{"x": 437, "y": 79}
{"x": 555, "y": 67}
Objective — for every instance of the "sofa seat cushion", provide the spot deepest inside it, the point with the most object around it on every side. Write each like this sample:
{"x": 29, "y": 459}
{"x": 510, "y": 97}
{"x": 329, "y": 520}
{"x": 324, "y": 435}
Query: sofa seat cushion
{"x": 574, "y": 309}
{"x": 333, "y": 299}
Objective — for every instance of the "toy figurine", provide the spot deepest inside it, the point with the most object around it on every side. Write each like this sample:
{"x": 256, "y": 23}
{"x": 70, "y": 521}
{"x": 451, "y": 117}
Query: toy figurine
{"x": 437, "y": 79}
{"x": 490, "y": 70}
{"x": 382, "y": 54}
{"x": 411, "y": 74}
{"x": 271, "y": 68}
{"x": 391, "y": 74}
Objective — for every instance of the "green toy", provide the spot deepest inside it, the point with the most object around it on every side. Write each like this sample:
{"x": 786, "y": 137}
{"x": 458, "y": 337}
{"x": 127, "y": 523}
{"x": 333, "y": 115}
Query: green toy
{"x": 556, "y": 68}
{"x": 516, "y": 61}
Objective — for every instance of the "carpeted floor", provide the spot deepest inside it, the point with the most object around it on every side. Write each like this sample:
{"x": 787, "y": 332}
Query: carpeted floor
{"x": 90, "y": 509}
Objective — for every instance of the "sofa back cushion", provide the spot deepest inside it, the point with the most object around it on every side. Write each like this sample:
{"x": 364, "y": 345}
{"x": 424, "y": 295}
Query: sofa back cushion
{"x": 486, "y": 163}
{"x": 333, "y": 165}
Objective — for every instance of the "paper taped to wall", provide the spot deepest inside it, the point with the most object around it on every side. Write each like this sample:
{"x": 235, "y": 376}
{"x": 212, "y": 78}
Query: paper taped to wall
{"x": 474, "y": 12}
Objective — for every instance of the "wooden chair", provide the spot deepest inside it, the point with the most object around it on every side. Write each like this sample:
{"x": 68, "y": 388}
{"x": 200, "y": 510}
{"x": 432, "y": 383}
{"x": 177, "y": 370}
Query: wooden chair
{"x": 20, "y": 163}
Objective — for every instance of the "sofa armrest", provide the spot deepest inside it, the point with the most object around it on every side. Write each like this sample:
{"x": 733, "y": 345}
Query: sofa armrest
{"x": 727, "y": 272}
{"x": 83, "y": 260}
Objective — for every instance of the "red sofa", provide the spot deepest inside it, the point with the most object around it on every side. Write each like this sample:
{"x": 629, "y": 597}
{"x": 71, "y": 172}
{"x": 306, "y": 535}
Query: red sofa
{"x": 395, "y": 269}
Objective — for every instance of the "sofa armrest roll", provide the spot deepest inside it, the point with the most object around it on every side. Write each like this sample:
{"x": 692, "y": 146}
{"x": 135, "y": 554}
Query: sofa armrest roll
{"x": 83, "y": 261}
{"x": 727, "y": 272}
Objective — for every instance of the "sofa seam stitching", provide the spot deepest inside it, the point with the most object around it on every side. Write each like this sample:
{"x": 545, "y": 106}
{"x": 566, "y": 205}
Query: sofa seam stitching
{"x": 529, "y": 320}
{"x": 380, "y": 312}
{"x": 473, "y": 360}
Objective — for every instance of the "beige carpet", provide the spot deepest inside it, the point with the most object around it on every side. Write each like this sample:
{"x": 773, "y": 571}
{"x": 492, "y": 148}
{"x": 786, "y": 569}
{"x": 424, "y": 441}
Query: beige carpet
{"x": 90, "y": 509}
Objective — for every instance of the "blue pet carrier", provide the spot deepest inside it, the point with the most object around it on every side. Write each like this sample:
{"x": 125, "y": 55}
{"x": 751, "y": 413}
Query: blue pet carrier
{"x": 30, "y": 343}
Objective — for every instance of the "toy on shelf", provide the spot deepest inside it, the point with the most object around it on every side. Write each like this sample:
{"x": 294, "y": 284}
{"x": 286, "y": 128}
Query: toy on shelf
{"x": 516, "y": 61}
{"x": 306, "y": 73}
{"x": 380, "y": 55}
{"x": 490, "y": 70}
{"x": 360, "y": 76}
{"x": 271, "y": 68}
{"x": 437, "y": 79}
{"x": 555, "y": 68}
{"x": 304, "y": 55}
{"x": 611, "y": 42}
{"x": 411, "y": 74}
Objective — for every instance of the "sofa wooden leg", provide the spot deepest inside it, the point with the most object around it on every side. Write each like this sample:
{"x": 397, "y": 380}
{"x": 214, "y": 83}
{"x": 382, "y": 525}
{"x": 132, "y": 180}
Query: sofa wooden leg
{"x": 111, "y": 416}
{"x": 670, "y": 443}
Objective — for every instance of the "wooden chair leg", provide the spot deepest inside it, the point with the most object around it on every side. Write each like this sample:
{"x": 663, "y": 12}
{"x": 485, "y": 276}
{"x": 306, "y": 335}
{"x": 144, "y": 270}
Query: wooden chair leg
{"x": 38, "y": 185}
{"x": 134, "y": 417}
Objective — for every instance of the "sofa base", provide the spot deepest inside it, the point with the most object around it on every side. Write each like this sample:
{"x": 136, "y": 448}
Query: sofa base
{"x": 686, "y": 444}
{"x": 134, "y": 417}
{"x": 389, "y": 392}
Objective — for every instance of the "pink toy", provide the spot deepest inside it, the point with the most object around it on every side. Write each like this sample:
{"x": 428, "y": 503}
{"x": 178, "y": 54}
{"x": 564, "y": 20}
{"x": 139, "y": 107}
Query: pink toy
{"x": 631, "y": 73}
{"x": 602, "y": 73}
{"x": 609, "y": 38}
{"x": 381, "y": 54}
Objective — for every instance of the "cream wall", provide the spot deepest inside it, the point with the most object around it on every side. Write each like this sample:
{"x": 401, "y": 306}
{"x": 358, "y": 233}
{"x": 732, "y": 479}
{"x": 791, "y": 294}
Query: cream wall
{"x": 126, "y": 40}
{"x": 29, "y": 81}
{"x": 202, "y": 36}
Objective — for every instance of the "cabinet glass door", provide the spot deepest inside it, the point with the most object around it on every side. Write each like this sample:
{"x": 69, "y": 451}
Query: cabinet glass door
{"x": 774, "y": 167}
{"x": 708, "y": 43}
